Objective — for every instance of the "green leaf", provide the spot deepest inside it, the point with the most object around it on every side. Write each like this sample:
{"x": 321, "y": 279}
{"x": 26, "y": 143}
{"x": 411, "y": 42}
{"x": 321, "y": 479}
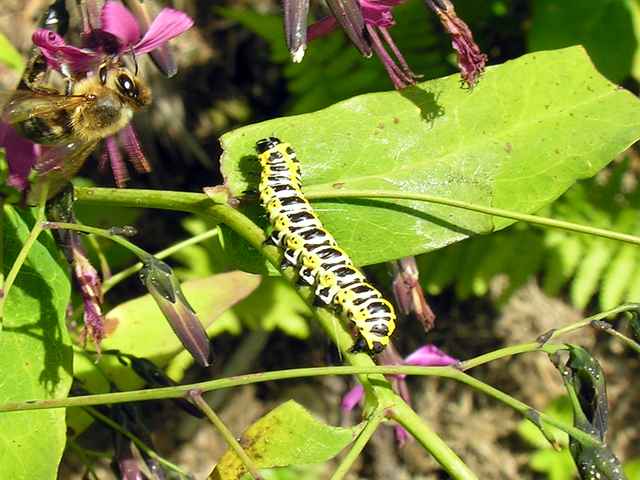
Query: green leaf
{"x": 616, "y": 280}
{"x": 530, "y": 129}
{"x": 35, "y": 358}
{"x": 589, "y": 272}
{"x": 288, "y": 435}
{"x": 560, "y": 409}
{"x": 596, "y": 24}
{"x": 275, "y": 304}
{"x": 632, "y": 468}
{"x": 9, "y": 55}
{"x": 556, "y": 465}
{"x": 138, "y": 327}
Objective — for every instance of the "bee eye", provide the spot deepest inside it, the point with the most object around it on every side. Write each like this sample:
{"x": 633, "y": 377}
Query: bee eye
{"x": 127, "y": 86}
{"x": 102, "y": 73}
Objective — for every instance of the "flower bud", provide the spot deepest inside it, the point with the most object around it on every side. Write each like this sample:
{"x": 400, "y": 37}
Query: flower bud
{"x": 165, "y": 289}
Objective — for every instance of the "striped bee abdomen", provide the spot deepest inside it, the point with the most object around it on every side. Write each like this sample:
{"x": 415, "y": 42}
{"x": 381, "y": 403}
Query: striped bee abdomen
{"x": 313, "y": 251}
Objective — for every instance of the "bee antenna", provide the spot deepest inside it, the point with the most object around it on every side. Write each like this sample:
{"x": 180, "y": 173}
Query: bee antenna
{"x": 135, "y": 60}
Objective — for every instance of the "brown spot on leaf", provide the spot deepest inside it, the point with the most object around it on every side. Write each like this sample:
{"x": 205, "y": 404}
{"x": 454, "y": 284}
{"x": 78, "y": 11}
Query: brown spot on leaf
{"x": 508, "y": 147}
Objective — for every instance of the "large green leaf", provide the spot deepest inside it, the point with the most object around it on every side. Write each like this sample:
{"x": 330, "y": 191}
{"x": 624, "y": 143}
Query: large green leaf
{"x": 138, "y": 327}
{"x": 288, "y": 435}
{"x": 599, "y": 25}
{"x": 528, "y": 131}
{"x": 35, "y": 354}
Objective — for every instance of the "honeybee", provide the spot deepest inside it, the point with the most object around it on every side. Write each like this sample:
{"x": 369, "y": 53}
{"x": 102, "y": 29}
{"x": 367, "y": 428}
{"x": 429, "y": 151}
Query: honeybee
{"x": 69, "y": 126}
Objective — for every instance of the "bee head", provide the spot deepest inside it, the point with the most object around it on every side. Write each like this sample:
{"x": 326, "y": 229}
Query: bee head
{"x": 126, "y": 84}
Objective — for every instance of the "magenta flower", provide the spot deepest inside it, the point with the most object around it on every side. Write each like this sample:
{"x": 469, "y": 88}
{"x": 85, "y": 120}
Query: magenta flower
{"x": 426, "y": 356}
{"x": 21, "y": 155}
{"x": 118, "y": 34}
{"x": 471, "y": 61}
{"x": 367, "y": 24}
{"x": 91, "y": 292}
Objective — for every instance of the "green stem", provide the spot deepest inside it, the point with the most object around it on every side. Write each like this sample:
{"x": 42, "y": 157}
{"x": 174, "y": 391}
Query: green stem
{"x": 24, "y": 251}
{"x": 180, "y": 390}
{"x": 139, "y": 443}
{"x": 548, "y": 348}
{"x": 498, "y": 212}
{"x": 411, "y": 421}
{"x": 225, "y": 432}
{"x": 525, "y": 409}
{"x": 370, "y": 427}
{"x": 127, "y": 272}
{"x": 196, "y": 203}
{"x": 140, "y": 253}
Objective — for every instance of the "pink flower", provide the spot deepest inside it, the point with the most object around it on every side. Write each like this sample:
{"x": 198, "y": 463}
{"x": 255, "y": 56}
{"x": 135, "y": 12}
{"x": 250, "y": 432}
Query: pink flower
{"x": 426, "y": 356}
{"x": 368, "y": 27}
{"x": 471, "y": 61}
{"x": 378, "y": 12}
{"x": 118, "y": 34}
{"x": 21, "y": 155}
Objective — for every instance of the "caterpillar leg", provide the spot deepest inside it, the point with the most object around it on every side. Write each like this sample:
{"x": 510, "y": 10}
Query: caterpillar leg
{"x": 272, "y": 240}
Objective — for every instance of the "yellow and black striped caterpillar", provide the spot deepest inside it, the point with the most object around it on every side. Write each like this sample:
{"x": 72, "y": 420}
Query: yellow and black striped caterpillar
{"x": 313, "y": 251}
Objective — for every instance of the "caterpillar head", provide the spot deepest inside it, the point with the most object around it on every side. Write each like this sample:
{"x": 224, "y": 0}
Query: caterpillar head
{"x": 267, "y": 144}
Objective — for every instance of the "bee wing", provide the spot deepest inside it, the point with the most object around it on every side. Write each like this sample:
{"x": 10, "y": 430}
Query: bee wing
{"x": 20, "y": 105}
{"x": 57, "y": 165}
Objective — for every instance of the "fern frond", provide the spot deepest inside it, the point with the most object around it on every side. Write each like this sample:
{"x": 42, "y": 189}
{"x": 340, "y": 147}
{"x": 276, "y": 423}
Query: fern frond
{"x": 587, "y": 266}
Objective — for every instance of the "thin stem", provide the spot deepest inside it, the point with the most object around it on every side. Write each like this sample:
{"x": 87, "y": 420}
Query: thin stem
{"x": 227, "y": 434}
{"x": 608, "y": 328}
{"x": 104, "y": 264}
{"x": 524, "y": 409}
{"x": 411, "y": 421}
{"x": 548, "y": 348}
{"x": 370, "y": 427}
{"x": 498, "y": 212}
{"x": 627, "y": 307}
{"x": 180, "y": 390}
{"x": 24, "y": 251}
{"x": 127, "y": 272}
{"x": 139, "y": 443}
{"x": 140, "y": 253}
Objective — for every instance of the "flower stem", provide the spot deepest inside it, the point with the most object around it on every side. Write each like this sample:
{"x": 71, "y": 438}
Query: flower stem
{"x": 411, "y": 421}
{"x": 139, "y": 443}
{"x": 370, "y": 427}
{"x": 498, "y": 212}
{"x": 127, "y": 272}
{"x": 24, "y": 251}
{"x": 140, "y": 253}
{"x": 227, "y": 434}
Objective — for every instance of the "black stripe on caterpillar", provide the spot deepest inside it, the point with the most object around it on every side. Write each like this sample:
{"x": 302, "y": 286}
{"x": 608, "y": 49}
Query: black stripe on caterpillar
{"x": 313, "y": 251}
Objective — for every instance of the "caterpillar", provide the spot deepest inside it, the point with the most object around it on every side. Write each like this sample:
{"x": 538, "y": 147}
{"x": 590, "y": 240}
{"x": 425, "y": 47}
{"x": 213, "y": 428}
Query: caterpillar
{"x": 314, "y": 253}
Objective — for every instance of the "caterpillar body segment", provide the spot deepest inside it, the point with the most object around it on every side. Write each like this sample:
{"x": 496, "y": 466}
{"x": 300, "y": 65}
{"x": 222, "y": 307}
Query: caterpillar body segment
{"x": 313, "y": 251}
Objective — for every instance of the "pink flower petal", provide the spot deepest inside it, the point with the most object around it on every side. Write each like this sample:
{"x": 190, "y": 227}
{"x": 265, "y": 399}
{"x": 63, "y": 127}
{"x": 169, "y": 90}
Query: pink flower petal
{"x": 429, "y": 356}
{"x": 58, "y": 53}
{"x": 402, "y": 436}
{"x": 21, "y": 155}
{"x": 352, "y": 398}
{"x": 378, "y": 12}
{"x": 116, "y": 19}
{"x": 168, "y": 24}
{"x": 322, "y": 27}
